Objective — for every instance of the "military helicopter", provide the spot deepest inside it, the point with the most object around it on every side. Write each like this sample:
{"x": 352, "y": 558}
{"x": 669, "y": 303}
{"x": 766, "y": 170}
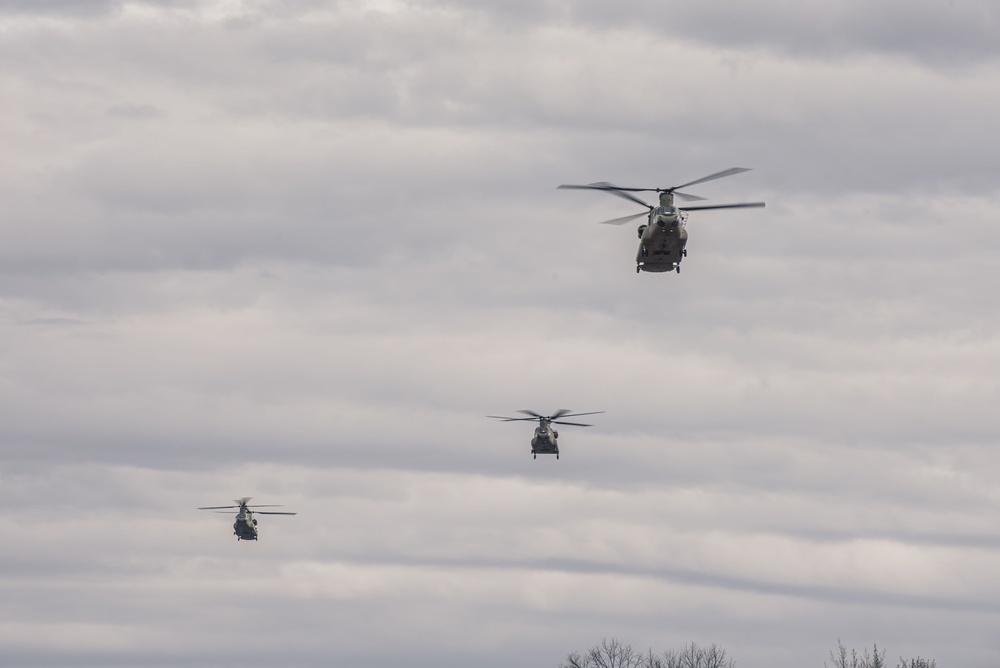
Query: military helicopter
{"x": 545, "y": 439}
{"x": 245, "y": 527}
{"x": 664, "y": 237}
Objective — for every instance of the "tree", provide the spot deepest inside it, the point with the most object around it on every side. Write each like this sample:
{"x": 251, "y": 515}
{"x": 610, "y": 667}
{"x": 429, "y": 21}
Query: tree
{"x": 615, "y": 654}
{"x": 609, "y": 654}
{"x": 693, "y": 656}
{"x": 916, "y": 663}
{"x": 873, "y": 659}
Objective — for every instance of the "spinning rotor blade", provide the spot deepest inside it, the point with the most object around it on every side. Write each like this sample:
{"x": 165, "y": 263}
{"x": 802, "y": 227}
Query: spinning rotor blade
{"x": 711, "y": 177}
{"x": 575, "y": 424}
{"x": 266, "y": 512}
{"x": 746, "y": 205}
{"x": 617, "y": 192}
{"x": 622, "y": 191}
{"x": 562, "y": 412}
{"x": 688, "y": 197}
{"x": 610, "y": 189}
{"x": 242, "y": 503}
{"x": 624, "y": 219}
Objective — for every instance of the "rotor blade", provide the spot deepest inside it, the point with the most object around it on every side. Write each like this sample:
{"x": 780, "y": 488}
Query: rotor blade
{"x": 508, "y": 419}
{"x": 745, "y": 205}
{"x": 531, "y": 413}
{"x": 622, "y": 192}
{"x": 624, "y": 219}
{"x": 577, "y": 414}
{"x": 612, "y": 190}
{"x": 712, "y": 177}
{"x": 217, "y": 507}
{"x": 265, "y": 512}
{"x": 575, "y": 424}
{"x": 687, "y": 197}
{"x": 559, "y": 413}
{"x": 604, "y": 185}
{"x": 266, "y": 505}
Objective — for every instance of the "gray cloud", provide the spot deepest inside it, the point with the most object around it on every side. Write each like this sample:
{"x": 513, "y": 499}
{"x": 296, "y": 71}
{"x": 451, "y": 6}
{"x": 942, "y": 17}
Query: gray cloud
{"x": 68, "y": 8}
{"x": 945, "y": 33}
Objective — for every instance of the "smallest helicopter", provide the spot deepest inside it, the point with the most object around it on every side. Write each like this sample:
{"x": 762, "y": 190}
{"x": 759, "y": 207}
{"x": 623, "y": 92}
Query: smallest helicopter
{"x": 245, "y": 526}
{"x": 545, "y": 439}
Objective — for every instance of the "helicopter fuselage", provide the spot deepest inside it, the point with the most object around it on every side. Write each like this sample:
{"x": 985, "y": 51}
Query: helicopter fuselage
{"x": 545, "y": 440}
{"x": 245, "y": 526}
{"x": 662, "y": 240}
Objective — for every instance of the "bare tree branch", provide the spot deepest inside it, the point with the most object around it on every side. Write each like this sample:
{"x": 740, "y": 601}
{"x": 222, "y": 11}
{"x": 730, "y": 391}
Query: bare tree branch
{"x": 615, "y": 654}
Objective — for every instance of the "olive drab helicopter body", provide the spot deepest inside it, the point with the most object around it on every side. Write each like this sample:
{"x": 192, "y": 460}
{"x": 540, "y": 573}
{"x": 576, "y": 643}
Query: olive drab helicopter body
{"x": 545, "y": 440}
{"x": 663, "y": 238}
{"x": 245, "y": 526}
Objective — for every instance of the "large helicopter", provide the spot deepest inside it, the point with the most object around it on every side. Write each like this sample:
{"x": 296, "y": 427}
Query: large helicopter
{"x": 245, "y": 526}
{"x": 545, "y": 439}
{"x": 664, "y": 237}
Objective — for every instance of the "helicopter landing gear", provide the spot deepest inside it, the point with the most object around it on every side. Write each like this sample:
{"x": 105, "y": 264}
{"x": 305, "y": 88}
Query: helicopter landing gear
{"x": 557, "y": 455}
{"x": 637, "y": 269}
{"x": 684, "y": 252}
{"x": 534, "y": 456}
{"x": 678, "y": 268}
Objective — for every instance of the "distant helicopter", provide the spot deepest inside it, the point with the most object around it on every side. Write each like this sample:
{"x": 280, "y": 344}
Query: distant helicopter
{"x": 664, "y": 237}
{"x": 545, "y": 439}
{"x": 245, "y": 527}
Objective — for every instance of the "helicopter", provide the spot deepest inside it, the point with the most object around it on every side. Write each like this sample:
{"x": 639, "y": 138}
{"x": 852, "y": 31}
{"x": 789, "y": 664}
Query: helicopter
{"x": 664, "y": 237}
{"x": 545, "y": 439}
{"x": 245, "y": 527}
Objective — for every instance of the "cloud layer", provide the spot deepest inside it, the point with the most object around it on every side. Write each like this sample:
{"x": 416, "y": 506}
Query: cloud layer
{"x": 299, "y": 250}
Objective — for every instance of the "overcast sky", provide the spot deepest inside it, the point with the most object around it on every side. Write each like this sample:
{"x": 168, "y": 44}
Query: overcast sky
{"x": 297, "y": 250}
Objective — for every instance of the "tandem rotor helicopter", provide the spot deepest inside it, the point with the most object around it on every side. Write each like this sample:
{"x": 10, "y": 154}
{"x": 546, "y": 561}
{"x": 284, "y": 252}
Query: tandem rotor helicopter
{"x": 545, "y": 439}
{"x": 664, "y": 237}
{"x": 245, "y": 527}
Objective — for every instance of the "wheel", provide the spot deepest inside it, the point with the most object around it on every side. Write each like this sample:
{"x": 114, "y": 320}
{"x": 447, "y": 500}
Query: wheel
{"x": 637, "y": 269}
{"x": 557, "y": 455}
{"x": 685, "y": 252}
{"x": 534, "y": 456}
{"x": 678, "y": 269}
